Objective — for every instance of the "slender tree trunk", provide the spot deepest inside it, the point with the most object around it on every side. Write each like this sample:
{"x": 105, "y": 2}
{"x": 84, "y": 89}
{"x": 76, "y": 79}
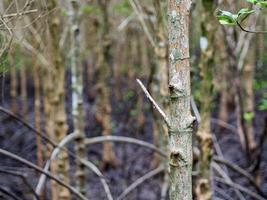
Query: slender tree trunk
{"x": 247, "y": 82}
{"x": 23, "y": 91}
{"x": 55, "y": 114}
{"x": 208, "y": 29}
{"x": 223, "y": 78}
{"x": 105, "y": 109}
{"x": 181, "y": 120}
{"x": 77, "y": 92}
{"x": 37, "y": 110}
{"x": 160, "y": 80}
{"x": 13, "y": 91}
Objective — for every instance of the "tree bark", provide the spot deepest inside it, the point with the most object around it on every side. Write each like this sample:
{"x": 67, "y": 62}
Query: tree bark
{"x": 14, "y": 85}
{"x": 160, "y": 80}
{"x": 181, "y": 120}
{"x": 247, "y": 82}
{"x": 55, "y": 114}
{"x": 105, "y": 109}
{"x": 23, "y": 91}
{"x": 77, "y": 93}
{"x": 37, "y": 110}
{"x": 208, "y": 29}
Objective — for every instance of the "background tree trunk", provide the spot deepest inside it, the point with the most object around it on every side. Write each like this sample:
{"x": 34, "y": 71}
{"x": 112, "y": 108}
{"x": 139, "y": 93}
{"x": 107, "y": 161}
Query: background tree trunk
{"x": 55, "y": 114}
{"x": 77, "y": 92}
{"x": 104, "y": 113}
{"x": 247, "y": 82}
{"x": 23, "y": 91}
{"x": 207, "y": 62}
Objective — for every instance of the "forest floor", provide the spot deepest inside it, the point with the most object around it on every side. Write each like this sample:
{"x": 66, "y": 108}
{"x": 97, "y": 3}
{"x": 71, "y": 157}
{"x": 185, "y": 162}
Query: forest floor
{"x": 134, "y": 161}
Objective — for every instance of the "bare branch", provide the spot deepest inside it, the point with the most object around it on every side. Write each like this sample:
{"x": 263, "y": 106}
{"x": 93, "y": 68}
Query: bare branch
{"x": 101, "y": 139}
{"x": 240, "y": 188}
{"x": 47, "y": 139}
{"x": 140, "y": 180}
{"x": 153, "y": 102}
{"x": 19, "y": 14}
{"x": 239, "y": 170}
{"x": 87, "y": 164}
{"x": 10, "y": 194}
{"x": 125, "y": 22}
{"x": 31, "y": 165}
{"x": 195, "y": 110}
{"x": 23, "y": 178}
{"x": 227, "y": 178}
{"x": 143, "y": 23}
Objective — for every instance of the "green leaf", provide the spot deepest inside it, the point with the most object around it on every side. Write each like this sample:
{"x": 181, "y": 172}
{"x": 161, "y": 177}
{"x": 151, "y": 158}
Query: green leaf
{"x": 226, "y": 17}
{"x": 123, "y": 8}
{"x": 248, "y": 116}
{"x": 252, "y": 1}
{"x": 261, "y": 3}
{"x": 263, "y": 105}
{"x": 244, "y": 13}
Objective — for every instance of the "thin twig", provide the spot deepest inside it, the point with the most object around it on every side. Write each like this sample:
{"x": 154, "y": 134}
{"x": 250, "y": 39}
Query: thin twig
{"x": 126, "y": 21}
{"x": 218, "y": 150}
{"x": 195, "y": 110}
{"x": 250, "y": 31}
{"x": 223, "y": 193}
{"x": 240, "y": 188}
{"x": 153, "y": 102}
{"x": 23, "y": 178}
{"x": 87, "y": 164}
{"x": 239, "y": 170}
{"x": 227, "y": 178}
{"x": 140, "y": 180}
{"x": 101, "y": 139}
{"x": 10, "y": 194}
{"x": 31, "y": 165}
{"x": 55, "y": 145}
{"x": 143, "y": 23}
{"x": 100, "y": 175}
{"x": 19, "y": 14}
{"x": 224, "y": 125}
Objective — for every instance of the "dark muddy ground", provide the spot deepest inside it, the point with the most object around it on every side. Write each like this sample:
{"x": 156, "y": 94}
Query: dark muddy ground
{"x": 135, "y": 161}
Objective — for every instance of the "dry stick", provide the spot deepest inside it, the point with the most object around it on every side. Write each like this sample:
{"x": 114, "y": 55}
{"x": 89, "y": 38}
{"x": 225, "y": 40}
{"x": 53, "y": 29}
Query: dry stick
{"x": 227, "y": 178}
{"x": 101, "y": 139}
{"x": 23, "y": 178}
{"x": 195, "y": 110}
{"x": 89, "y": 140}
{"x": 222, "y": 193}
{"x": 152, "y": 147}
{"x": 224, "y": 124}
{"x": 125, "y": 22}
{"x": 54, "y": 153}
{"x": 19, "y": 14}
{"x": 239, "y": 170}
{"x": 40, "y": 134}
{"x": 2, "y": 109}
{"x": 218, "y": 150}
{"x": 87, "y": 164}
{"x": 8, "y": 193}
{"x": 31, "y": 165}
{"x": 100, "y": 175}
{"x": 153, "y": 102}
{"x": 240, "y": 188}
{"x": 143, "y": 23}
{"x": 140, "y": 180}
